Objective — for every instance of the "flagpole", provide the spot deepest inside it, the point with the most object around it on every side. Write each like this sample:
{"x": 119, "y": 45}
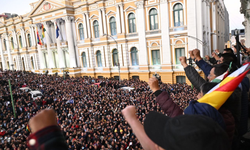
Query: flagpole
{"x": 13, "y": 105}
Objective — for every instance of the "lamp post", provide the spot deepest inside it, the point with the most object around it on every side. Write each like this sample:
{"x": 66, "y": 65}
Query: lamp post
{"x": 203, "y": 43}
{"x": 63, "y": 74}
{"x": 117, "y": 56}
{"x": 12, "y": 65}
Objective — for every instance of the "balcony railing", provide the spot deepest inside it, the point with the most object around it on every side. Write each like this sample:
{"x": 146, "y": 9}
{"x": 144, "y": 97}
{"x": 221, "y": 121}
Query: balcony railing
{"x": 153, "y": 32}
{"x": 132, "y": 35}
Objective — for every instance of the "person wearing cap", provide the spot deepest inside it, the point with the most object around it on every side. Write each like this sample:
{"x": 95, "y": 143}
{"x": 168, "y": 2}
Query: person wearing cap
{"x": 194, "y": 132}
{"x": 189, "y": 132}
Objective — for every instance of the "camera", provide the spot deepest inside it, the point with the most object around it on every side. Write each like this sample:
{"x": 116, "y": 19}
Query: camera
{"x": 157, "y": 76}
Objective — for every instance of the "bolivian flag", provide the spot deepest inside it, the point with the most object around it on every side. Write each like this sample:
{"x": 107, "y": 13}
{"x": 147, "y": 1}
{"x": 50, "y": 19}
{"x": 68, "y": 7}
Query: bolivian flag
{"x": 39, "y": 41}
{"x": 218, "y": 95}
{"x": 28, "y": 128}
{"x": 43, "y": 31}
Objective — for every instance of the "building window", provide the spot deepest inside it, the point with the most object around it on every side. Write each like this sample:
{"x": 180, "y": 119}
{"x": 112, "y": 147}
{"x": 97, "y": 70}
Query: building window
{"x": 20, "y": 41}
{"x": 156, "y": 57}
{"x": 12, "y": 42}
{"x": 99, "y": 58}
{"x": 32, "y": 62}
{"x": 178, "y": 53}
{"x": 115, "y": 57}
{"x": 153, "y": 19}
{"x": 29, "y": 40}
{"x": 178, "y": 15}
{"x": 135, "y": 77}
{"x": 131, "y": 21}
{"x": 180, "y": 79}
{"x": 112, "y": 25}
{"x": 5, "y": 44}
{"x": 96, "y": 28}
{"x": 100, "y": 77}
{"x": 134, "y": 58}
{"x": 84, "y": 60}
{"x": 80, "y": 28}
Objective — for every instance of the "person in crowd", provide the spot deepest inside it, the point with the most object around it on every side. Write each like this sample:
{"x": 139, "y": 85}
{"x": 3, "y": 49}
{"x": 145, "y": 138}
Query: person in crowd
{"x": 89, "y": 115}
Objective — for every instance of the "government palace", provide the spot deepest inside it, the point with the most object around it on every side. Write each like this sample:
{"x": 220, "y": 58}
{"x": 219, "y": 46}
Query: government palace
{"x": 112, "y": 38}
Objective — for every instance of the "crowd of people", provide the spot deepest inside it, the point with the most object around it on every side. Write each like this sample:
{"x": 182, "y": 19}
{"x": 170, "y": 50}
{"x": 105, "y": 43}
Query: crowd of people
{"x": 88, "y": 113}
{"x": 99, "y": 114}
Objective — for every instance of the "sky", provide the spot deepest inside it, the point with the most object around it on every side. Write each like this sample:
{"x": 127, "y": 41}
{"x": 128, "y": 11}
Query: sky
{"x": 22, "y": 7}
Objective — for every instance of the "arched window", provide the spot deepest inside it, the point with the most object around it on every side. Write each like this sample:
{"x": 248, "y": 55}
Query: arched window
{"x": 29, "y": 40}
{"x": 131, "y": 21}
{"x": 80, "y": 28}
{"x": 115, "y": 57}
{"x": 178, "y": 15}
{"x": 12, "y": 42}
{"x": 20, "y": 41}
{"x": 134, "y": 58}
{"x": 99, "y": 58}
{"x": 32, "y": 62}
{"x": 112, "y": 25}
{"x": 96, "y": 28}
{"x": 84, "y": 60}
{"x": 153, "y": 18}
{"x": 5, "y": 44}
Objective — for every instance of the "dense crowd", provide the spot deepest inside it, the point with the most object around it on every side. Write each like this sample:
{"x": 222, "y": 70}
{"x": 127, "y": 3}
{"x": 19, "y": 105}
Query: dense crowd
{"x": 89, "y": 114}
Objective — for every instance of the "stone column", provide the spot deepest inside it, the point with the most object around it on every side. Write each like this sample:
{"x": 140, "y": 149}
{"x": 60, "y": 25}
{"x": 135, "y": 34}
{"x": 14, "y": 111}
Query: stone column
{"x": 143, "y": 52}
{"x": 9, "y": 51}
{"x": 33, "y": 39}
{"x": 51, "y": 63}
{"x": 166, "y": 51}
{"x": 2, "y": 56}
{"x": 41, "y": 59}
{"x": 122, "y": 18}
{"x": 85, "y": 26}
{"x": 100, "y": 22}
{"x": 70, "y": 38}
{"x": 23, "y": 38}
{"x": 118, "y": 23}
{"x": 15, "y": 39}
{"x": 87, "y": 17}
{"x": 104, "y": 21}
{"x": 59, "y": 49}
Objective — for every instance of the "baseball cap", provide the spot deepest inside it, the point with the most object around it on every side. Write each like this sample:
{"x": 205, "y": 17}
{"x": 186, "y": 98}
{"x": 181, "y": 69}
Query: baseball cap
{"x": 194, "y": 132}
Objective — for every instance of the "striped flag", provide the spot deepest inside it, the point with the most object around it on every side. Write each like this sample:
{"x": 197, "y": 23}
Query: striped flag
{"x": 218, "y": 95}
{"x": 43, "y": 31}
{"x": 28, "y": 128}
{"x": 39, "y": 41}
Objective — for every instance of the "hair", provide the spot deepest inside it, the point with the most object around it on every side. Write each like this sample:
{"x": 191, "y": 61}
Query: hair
{"x": 246, "y": 60}
{"x": 219, "y": 69}
{"x": 205, "y": 87}
{"x": 228, "y": 50}
{"x": 229, "y": 57}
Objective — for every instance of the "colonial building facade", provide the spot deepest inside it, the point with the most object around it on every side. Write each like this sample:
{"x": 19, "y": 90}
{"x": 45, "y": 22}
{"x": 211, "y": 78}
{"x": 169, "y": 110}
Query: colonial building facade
{"x": 245, "y": 10}
{"x": 103, "y": 38}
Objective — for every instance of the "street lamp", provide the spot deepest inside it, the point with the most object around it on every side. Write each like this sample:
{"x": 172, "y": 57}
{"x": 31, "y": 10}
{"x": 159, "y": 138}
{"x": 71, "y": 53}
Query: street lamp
{"x": 203, "y": 43}
{"x": 12, "y": 65}
{"x": 200, "y": 41}
{"x": 117, "y": 56}
{"x": 63, "y": 73}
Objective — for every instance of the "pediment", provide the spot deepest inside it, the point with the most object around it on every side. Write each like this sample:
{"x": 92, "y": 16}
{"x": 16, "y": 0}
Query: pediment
{"x": 110, "y": 13}
{"x": 94, "y": 17}
{"x": 44, "y": 6}
{"x": 130, "y": 8}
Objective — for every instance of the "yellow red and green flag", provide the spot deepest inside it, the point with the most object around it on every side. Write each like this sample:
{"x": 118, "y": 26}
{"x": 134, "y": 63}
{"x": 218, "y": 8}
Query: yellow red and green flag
{"x": 218, "y": 95}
